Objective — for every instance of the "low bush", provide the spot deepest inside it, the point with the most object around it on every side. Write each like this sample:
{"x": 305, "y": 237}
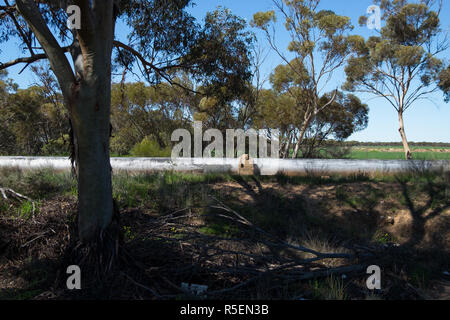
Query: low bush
{"x": 150, "y": 148}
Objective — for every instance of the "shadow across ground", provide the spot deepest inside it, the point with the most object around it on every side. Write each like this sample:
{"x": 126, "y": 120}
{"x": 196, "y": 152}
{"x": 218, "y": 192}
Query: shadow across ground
{"x": 182, "y": 228}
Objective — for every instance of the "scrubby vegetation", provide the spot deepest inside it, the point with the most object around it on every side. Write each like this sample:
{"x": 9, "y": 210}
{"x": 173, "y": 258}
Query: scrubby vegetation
{"x": 229, "y": 231}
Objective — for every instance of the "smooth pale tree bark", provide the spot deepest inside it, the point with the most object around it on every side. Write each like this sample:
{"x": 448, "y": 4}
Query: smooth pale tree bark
{"x": 90, "y": 110}
{"x": 401, "y": 129}
{"x": 90, "y": 104}
{"x": 300, "y": 138}
{"x": 288, "y": 145}
{"x": 88, "y": 97}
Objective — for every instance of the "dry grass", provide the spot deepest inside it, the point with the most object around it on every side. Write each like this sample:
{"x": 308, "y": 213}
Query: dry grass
{"x": 314, "y": 241}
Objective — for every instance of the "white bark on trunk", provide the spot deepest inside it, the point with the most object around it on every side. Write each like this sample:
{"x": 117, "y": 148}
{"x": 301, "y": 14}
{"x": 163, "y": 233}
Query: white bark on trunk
{"x": 408, "y": 154}
{"x": 300, "y": 139}
{"x": 288, "y": 146}
{"x": 88, "y": 97}
{"x": 91, "y": 126}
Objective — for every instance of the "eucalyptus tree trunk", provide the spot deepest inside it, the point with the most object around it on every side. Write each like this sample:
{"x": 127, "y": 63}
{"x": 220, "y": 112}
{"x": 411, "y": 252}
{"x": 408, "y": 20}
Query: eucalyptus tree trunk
{"x": 310, "y": 115}
{"x": 87, "y": 94}
{"x": 90, "y": 118}
{"x": 90, "y": 109}
{"x": 300, "y": 138}
{"x": 408, "y": 154}
{"x": 288, "y": 145}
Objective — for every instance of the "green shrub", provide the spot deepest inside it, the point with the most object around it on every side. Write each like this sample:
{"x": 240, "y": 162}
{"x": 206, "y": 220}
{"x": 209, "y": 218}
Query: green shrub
{"x": 150, "y": 148}
{"x": 122, "y": 142}
{"x": 57, "y": 147}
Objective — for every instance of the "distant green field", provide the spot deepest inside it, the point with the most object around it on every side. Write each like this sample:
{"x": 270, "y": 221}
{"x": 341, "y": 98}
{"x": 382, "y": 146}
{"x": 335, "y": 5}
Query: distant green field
{"x": 401, "y": 148}
{"x": 391, "y": 153}
{"x": 358, "y": 154}
{"x": 386, "y": 152}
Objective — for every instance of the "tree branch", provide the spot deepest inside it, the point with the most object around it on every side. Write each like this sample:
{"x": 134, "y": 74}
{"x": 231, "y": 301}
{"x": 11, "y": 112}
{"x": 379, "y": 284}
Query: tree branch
{"x": 146, "y": 64}
{"x": 27, "y": 60}
{"x": 58, "y": 61}
{"x": 333, "y": 98}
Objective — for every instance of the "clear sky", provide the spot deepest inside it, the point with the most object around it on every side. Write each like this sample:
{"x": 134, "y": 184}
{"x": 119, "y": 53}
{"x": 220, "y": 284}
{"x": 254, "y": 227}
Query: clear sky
{"x": 425, "y": 121}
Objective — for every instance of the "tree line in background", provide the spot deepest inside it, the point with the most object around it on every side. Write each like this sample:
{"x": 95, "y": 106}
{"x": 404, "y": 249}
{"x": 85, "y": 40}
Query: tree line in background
{"x": 143, "y": 117}
{"x": 313, "y": 122}
{"x": 34, "y": 120}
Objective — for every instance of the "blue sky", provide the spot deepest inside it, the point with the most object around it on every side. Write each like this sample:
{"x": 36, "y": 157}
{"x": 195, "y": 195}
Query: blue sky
{"x": 425, "y": 121}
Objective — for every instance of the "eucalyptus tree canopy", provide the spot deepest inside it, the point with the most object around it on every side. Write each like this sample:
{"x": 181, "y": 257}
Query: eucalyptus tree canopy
{"x": 346, "y": 115}
{"x": 7, "y": 139}
{"x": 444, "y": 83}
{"x": 402, "y": 63}
{"x": 320, "y": 44}
{"x": 163, "y": 39}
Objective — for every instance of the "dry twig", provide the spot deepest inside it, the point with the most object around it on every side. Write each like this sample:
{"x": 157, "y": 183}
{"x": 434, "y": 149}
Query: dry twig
{"x": 17, "y": 196}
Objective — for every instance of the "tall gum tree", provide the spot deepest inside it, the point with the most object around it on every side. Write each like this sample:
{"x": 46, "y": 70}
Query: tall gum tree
{"x": 163, "y": 40}
{"x": 320, "y": 44}
{"x": 402, "y": 63}
{"x": 278, "y": 108}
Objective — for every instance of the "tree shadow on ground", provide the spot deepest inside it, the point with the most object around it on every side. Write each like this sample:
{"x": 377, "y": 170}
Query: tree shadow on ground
{"x": 290, "y": 215}
{"x": 424, "y": 195}
{"x": 436, "y": 204}
{"x": 160, "y": 252}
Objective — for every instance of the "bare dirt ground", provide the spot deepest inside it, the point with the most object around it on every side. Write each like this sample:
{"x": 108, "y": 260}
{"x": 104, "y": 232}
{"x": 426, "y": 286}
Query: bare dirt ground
{"x": 384, "y": 211}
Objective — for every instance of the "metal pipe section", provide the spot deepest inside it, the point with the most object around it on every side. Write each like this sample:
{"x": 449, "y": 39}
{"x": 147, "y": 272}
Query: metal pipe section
{"x": 266, "y": 166}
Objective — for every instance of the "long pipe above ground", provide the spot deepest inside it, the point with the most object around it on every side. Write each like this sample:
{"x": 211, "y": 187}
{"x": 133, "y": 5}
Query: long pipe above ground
{"x": 266, "y": 166}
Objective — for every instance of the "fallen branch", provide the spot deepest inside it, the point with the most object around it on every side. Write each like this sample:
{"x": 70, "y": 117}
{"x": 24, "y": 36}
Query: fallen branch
{"x": 235, "y": 263}
{"x": 141, "y": 285}
{"x": 240, "y": 219}
{"x": 17, "y": 196}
